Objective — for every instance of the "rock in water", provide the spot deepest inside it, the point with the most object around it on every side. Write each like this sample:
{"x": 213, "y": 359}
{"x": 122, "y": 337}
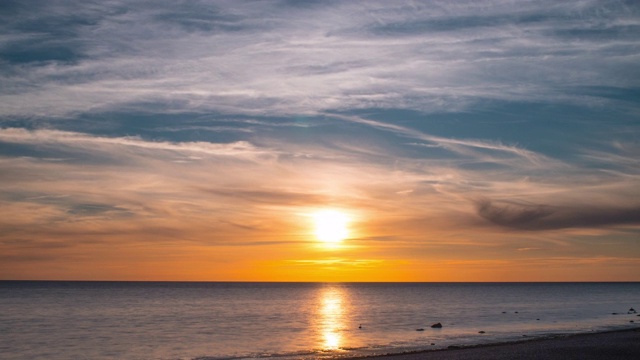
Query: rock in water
{"x": 436, "y": 325}
{"x": 481, "y": 332}
{"x": 420, "y": 329}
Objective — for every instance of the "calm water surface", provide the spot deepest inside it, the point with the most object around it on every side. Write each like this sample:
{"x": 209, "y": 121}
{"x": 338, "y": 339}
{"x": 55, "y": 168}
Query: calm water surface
{"x": 138, "y": 320}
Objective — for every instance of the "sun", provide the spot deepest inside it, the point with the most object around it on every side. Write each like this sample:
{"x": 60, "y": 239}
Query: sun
{"x": 331, "y": 226}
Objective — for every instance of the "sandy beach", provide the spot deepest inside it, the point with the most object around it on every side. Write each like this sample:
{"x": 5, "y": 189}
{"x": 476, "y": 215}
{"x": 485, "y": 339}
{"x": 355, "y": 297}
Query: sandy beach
{"x": 623, "y": 344}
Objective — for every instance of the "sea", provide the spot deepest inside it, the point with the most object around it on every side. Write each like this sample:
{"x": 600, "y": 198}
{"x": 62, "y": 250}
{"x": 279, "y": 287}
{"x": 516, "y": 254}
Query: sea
{"x": 244, "y": 320}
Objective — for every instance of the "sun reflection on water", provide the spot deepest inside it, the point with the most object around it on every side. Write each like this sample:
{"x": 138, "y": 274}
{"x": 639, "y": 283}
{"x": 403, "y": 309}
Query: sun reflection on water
{"x": 331, "y": 316}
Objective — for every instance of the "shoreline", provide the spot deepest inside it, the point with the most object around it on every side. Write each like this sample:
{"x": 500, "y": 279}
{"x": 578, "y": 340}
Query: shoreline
{"x": 611, "y": 344}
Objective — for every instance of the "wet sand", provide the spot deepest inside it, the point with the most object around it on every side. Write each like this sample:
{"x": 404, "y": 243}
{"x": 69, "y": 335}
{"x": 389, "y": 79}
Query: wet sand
{"x": 624, "y": 344}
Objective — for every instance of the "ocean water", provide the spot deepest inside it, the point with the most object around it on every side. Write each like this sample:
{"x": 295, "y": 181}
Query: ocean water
{"x": 151, "y": 320}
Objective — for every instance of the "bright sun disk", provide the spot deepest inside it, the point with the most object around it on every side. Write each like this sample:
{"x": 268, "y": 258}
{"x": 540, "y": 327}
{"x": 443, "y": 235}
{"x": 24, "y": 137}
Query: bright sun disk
{"x": 331, "y": 226}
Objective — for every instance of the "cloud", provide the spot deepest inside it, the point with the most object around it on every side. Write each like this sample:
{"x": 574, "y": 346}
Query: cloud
{"x": 251, "y": 178}
{"x": 74, "y": 139}
{"x": 230, "y": 57}
{"x": 270, "y": 197}
{"x": 455, "y": 145}
{"x": 338, "y": 262}
{"x": 537, "y": 217}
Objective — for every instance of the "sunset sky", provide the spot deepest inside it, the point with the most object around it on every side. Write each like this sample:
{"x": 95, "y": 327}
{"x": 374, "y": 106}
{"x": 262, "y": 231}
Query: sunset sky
{"x": 199, "y": 140}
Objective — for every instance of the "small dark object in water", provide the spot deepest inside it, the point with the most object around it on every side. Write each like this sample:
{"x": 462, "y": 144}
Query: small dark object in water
{"x": 481, "y": 332}
{"x": 630, "y": 320}
{"x": 360, "y": 327}
{"x": 436, "y": 325}
{"x": 433, "y": 343}
{"x": 516, "y": 312}
{"x": 504, "y": 312}
{"x": 632, "y": 309}
{"x": 614, "y": 313}
{"x": 538, "y": 319}
{"x": 420, "y": 329}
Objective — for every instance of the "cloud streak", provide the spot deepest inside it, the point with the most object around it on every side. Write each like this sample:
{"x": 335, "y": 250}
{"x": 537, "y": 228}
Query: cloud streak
{"x": 455, "y": 145}
{"x": 45, "y": 137}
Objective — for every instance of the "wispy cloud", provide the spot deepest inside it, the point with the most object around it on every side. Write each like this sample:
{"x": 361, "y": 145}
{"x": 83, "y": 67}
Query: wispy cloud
{"x": 255, "y": 57}
{"x": 337, "y": 262}
{"x": 56, "y": 137}
{"x": 455, "y": 145}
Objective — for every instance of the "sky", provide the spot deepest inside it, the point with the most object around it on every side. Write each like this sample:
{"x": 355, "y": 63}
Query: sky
{"x": 492, "y": 140}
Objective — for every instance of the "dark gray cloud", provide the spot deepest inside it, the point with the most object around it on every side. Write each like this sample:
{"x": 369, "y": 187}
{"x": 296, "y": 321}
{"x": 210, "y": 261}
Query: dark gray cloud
{"x": 536, "y": 217}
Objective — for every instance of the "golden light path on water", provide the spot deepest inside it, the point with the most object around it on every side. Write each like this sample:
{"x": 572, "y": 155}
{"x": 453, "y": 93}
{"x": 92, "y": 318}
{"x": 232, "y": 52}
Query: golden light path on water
{"x": 331, "y": 316}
